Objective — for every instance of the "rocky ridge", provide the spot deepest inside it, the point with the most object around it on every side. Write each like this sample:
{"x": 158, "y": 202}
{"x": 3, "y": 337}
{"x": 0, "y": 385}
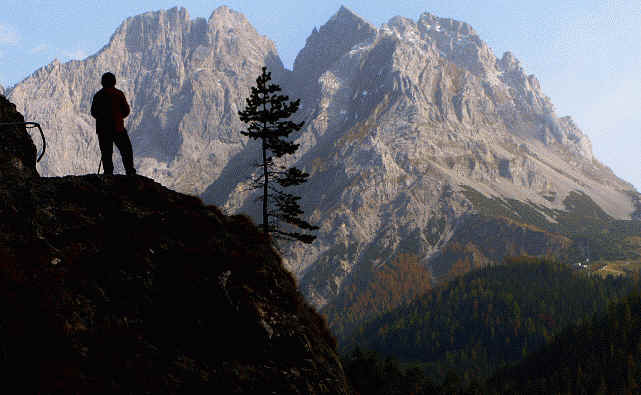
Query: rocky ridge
{"x": 185, "y": 80}
{"x": 402, "y": 125}
{"x": 117, "y": 284}
{"x": 415, "y": 133}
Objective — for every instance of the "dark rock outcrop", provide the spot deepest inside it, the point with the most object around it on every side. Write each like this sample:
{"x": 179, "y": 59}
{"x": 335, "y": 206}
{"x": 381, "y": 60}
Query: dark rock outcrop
{"x": 17, "y": 151}
{"x": 117, "y": 284}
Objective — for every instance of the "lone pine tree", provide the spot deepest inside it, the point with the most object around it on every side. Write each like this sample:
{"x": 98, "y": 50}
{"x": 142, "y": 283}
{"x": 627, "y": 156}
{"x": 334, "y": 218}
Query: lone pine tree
{"x": 266, "y": 116}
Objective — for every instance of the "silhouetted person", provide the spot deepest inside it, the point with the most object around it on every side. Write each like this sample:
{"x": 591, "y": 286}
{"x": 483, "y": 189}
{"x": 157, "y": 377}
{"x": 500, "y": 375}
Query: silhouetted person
{"x": 110, "y": 108}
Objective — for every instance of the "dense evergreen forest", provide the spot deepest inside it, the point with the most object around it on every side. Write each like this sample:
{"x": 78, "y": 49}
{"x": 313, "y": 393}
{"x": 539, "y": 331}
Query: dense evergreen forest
{"x": 601, "y": 356}
{"x": 484, "y": 320}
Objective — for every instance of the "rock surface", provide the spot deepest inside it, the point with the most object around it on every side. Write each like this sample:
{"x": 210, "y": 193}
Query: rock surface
{"x": 185, "y": 80}
{"x": 404, "y": 124}
{"x": 406, "y": 120}
{"x": 115, "y": 284}
{"x": 17, "y": 151}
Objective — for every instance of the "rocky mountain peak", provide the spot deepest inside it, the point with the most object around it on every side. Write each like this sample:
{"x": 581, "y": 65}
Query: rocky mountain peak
{"x": 53, "y": 65}
{"x": 452, "y": 40}
{"x": 173, "y": 17}
{"x": 400, "y": 24}
{"x": 185, "y": 80}
{"x": 408, "y": 129}
{"x": 224, "y": 16}
{"x": 433, "y": 22}
{"x": 156, "y": 29}
{"x": 327, "y": 44}
{"x": 346, "y": 16}
{"x": 509, "y": 62}
{"x": 404, "y": 124}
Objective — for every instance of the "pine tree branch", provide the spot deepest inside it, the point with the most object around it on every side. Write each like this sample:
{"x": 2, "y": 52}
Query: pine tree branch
{"x": 266, "y": 116}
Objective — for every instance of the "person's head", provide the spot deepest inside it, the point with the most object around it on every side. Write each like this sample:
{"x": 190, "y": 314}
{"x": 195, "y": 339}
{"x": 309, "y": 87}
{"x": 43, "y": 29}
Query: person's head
{"x": 108, "y": 80}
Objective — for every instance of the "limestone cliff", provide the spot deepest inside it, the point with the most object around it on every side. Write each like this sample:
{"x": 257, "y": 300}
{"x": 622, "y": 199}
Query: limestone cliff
{"x": 185, "y": 80}
{"x": 415, "y": 133}
{"x": 405, "y": 121}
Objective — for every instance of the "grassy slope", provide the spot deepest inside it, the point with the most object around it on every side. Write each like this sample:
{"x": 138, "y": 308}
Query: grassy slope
{"x": 593, "y": 232}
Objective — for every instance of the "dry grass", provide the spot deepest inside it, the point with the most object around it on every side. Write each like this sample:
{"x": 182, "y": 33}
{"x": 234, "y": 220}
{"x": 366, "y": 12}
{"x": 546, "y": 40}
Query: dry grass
{"x": 617, "y": 268}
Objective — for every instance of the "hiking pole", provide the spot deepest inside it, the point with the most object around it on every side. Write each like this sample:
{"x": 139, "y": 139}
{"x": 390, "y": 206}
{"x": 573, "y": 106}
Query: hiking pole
{"x": 99, "y": 165}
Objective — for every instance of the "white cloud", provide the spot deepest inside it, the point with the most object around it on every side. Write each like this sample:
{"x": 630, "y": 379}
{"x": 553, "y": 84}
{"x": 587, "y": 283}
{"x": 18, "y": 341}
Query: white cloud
{"x": 39, "y": 49}
{"x": 8, "y": 35}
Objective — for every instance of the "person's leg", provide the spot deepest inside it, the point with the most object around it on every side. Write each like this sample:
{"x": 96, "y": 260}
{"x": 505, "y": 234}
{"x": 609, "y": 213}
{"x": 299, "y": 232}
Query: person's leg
{"x": 105, "y": 140}
{"x": 126, "y": 151}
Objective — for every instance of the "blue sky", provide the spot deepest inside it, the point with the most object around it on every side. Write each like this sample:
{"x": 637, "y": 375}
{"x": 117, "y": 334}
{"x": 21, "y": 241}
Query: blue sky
{"x": 585, "y": 53}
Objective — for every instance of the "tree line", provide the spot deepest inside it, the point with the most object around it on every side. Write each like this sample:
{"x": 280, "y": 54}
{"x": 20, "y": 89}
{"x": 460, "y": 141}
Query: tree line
{"x": 599, "y": 356}
{"x": 488, "y": 319}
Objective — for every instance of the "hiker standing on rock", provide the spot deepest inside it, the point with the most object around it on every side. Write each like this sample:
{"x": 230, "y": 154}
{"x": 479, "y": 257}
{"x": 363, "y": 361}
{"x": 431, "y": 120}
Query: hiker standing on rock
{"x": 110, "y": 108}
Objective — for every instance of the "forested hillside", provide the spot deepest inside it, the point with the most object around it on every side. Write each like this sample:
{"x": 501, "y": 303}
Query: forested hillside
{"x": 602, "y": 356}
{"x": 489, "y": 318}
{"x": 380, "y": 291}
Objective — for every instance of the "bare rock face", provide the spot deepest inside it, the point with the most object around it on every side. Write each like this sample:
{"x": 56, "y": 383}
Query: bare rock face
{"x": 415, "y": 133}
{"x": 185, "y": 81}
{"x": 325, "y": 47}
{"x": 405, "y": 126}
{"x": 116, "y": 284}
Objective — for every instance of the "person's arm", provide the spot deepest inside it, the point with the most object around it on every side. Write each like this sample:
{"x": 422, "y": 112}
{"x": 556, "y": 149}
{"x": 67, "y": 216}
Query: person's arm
{"x": 94, "y": 110}
{"x": 124, "y": 106}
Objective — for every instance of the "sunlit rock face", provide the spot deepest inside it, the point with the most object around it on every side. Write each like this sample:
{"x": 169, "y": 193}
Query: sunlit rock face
{"x": 402, "y": 121}
{"x": 408, "y": 126}
{"x": 185, "y": 80}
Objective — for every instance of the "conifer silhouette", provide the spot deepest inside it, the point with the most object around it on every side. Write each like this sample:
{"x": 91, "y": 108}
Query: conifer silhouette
{"x": 266, "y": 115}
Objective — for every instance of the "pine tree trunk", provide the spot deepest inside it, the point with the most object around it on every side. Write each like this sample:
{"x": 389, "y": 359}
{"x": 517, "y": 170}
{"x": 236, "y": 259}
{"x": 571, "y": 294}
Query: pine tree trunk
{"x": 265, "y": 175}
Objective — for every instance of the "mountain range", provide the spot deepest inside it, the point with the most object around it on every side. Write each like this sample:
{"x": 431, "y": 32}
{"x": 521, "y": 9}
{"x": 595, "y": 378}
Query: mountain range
{"x": 422, "y": 146}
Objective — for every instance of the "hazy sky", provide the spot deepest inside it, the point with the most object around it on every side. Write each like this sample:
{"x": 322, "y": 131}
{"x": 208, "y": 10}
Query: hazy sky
{"x": 585, "y": 53}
